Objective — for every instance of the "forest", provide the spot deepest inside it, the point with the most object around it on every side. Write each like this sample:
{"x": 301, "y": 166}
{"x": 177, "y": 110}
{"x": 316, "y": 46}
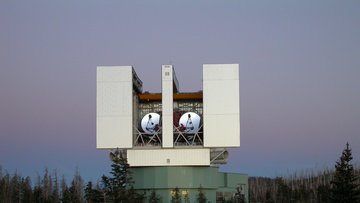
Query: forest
{"x": 340, "y": 184}
{"x": 307, "y": 187}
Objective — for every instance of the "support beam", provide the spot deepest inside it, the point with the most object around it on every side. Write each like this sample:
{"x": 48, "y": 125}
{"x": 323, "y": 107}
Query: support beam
{"x": 167, "y": 105}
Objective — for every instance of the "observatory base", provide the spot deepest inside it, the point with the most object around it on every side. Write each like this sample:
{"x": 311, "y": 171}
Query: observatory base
{"x": 217, "y": 186}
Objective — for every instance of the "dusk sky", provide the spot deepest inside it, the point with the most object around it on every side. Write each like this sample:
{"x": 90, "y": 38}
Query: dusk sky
{"x": 299, "y": 76}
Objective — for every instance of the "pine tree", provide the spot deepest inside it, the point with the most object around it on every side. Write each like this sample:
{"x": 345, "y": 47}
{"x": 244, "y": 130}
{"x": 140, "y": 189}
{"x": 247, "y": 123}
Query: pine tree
{"x": 201, "y": 198}
{"x": 6, "y": 189}
{"x": 46, "y": 186}
{"x": 15, "y": 188}
{"x": 283, "y": 194}
{"x": 89, "y": 192}
{"x": 344, "y": 186}
{"x": 268, "y": 197}
{"x": 118, "y": 186}
{"x": 76, "y": 188}
{"x": 239, "y": 197}
{"x": 65, "y": 192}
{"x": 176, "y": 197}
{"x": 55, "y": 191}
{"x": 323, "y": 195}
{"x": 38, "y": 190}
{"x": 27, "y": 190}
{"x": 93, "y": 195}
{"x": 154, "y": 198}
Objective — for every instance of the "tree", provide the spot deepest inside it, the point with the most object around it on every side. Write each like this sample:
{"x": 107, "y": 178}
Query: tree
{"x": 323, "y": 194}
{"x": 268, "y": 197}
{"x": 154, "y": 198}
{"x": 133, "y": 196}
{"x": 176, "y": 196}
{"x": 93, "y": 195}
{"x": 55, "y": 191}
{"x": 46, "y": 185}
{"x": 118, "y": 187}
{"x": 283, "y": 194}
{"x": 201, "y": 198}
{"x": 38, "y": 190}
{"x": 65, "y": 192}
{"x": 76, "y": 188}
{"x": 239, "y": 197}
{"x": 27, "y": 190}
{"x": 15, "y": 188}
{"x": 344, "y": 186}
{"x": 89, "y": 192}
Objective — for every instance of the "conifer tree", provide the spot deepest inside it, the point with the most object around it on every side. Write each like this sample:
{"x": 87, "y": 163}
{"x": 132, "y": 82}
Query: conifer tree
{"x": 345, "y": 188}
{"x": 323, "y": 195}
{"x": 38, "y": 190}
{"x": 27, "y": 190}
{"x": 46, "y": 187}
{"x": 76, "y": 188}
{"x": 65, "y": 192}
{"x": 55, "y": 191}
{"x": 93, "y": 195}
{"x": 201, "y": 198}
{"x": 239, "y": 197}
{"x": 118, "y": 186}
{"x": 284, "y": 192}
{"x": 176, "y": 196}
{"x": 154, "y": 198}
{"x": 15, "y": 188}
{"x": 89, "y": 192}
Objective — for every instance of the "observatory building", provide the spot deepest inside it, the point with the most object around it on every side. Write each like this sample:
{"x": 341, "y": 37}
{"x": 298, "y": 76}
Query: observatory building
{"x": 173, "y": 139}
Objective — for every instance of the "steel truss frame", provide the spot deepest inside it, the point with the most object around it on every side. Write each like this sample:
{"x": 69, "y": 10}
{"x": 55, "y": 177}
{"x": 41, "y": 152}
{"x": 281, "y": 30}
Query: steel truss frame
{"x": 142, "y": 139}
{"x": 183, "y": 139}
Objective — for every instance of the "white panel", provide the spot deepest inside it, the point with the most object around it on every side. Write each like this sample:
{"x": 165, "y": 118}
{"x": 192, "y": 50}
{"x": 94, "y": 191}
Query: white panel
{"x": 169, "y": 157}
{"x": 222, "y": 96}
{"x": 113, "y": 98}
{"x": 221, "y": 105}
{"x": 114, "y": 73}
{"x": 226, "y": 132}
{"x": 167, "y": 106}
{"x": 221, "y": 72}
{"x": 114, "y": 107}
{"x": 110, "y": 133}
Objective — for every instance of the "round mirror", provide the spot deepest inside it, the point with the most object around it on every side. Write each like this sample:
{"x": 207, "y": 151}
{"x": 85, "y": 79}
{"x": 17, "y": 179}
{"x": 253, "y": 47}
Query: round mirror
{"x": 150, "y": 123}
{"x": 189, "y": 123}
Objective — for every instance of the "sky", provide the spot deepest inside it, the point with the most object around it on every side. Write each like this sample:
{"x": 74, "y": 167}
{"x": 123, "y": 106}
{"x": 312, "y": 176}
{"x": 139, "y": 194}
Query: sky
{"x": 299, "y": 76}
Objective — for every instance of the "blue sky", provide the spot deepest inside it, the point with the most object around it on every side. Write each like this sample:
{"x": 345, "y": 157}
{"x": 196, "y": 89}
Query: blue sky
{"x": 299, "y": 77}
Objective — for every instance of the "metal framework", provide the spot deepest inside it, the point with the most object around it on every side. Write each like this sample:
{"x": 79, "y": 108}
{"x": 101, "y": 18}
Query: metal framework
{"x": 142, "y": 139}
{"x": 145, "y": 140}
{"x": 186, "y": 106}
{"x": 149, "y": 107}
{"x": 181, "y": 139}
{"x": 184, "y": 139}
{"x": 218, "y": 156}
